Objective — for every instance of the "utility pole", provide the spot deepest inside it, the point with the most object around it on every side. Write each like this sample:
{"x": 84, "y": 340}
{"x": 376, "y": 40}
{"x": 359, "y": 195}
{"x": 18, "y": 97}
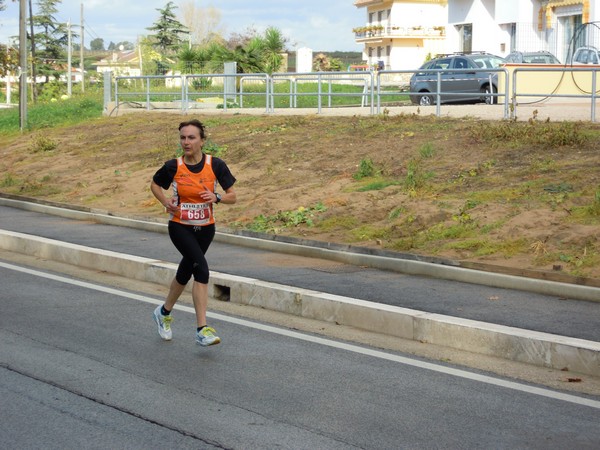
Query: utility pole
{"x": 69, "y": 52}
{"x": 8, "y": 76}
{"x": 33, "y": 72}
{"x": 81, "y": 65}
{"x": 23, "y": 64}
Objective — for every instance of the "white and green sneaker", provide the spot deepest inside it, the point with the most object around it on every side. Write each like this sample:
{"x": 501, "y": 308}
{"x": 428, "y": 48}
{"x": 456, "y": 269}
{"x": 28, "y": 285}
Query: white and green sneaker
{"x": 164, "y": 324}
{"x": 206, "y": 336}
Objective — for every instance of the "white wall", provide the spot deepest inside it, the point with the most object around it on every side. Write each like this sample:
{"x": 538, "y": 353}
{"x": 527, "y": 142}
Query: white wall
{"x": 408, "y": 53}
{"x": 487, "y": 34}
{"x": 424, "y": 14}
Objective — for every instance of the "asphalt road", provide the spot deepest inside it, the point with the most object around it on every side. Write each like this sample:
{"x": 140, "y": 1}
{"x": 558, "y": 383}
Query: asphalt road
{"x": 81, "y": 366}
{"x": 510, "y": 307}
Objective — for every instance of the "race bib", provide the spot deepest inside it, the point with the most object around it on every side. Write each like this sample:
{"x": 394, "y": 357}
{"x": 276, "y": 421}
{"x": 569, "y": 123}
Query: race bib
{"x": 195, "y": 213}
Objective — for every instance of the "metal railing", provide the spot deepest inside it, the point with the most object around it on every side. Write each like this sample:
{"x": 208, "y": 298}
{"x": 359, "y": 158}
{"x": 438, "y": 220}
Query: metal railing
{"x": 566, "y": 71}
{"x": 324, "y": 80}
{"x": 438, "y": 93}
{"x": 373, "y": 89}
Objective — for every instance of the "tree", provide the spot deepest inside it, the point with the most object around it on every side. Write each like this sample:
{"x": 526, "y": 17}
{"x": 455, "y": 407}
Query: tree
{"x": 202, "y": 23}
{"x": 253, "y": 53}
{"x": 241, "y": 39}
{"x": 168, "y": 30}
{"x": 324, "y": 63}
{"x": 97, "y": 44}
{"x": 9, "y": 60}
{"x": 48, "y": 46}
{"x": 273, "y": 45}
{"x": 126, "y": 45}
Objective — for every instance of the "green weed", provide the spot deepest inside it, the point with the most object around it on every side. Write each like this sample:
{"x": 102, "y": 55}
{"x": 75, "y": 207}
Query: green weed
{"x": 415, "y": 178}
{"x": 588, "y": 213}
{"x": 396, "y": 212}
{"x": 474, "y": 171}
{"x": 43, "y": 144}
{"x": 427, "y": 150}
{"x": 575, "y": 261}
{"x": 368, "y": 233}
{"x": 286, "y": 219}
{"x": 484, "y": 247}
{"x": 337, "y": 223}
{"x": 517, "y": 134}
{"x": 8, "y": 180}
{"x": 366, "y": 168}
{"x": 377, "y": 185}
{"x": 214, "y": 149}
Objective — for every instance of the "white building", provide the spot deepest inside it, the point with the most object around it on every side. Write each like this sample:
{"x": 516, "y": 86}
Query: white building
{"x": 502, "y": 26}
{"x": 123, "y": 63}
{"x": 403, "y": 33}
{"x": 400, "y": 34}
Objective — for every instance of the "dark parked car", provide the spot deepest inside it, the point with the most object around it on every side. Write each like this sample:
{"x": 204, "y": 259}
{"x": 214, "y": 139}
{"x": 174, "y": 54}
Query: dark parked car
{"x": 463, "y": 78}
{"x": 541, "y": 57}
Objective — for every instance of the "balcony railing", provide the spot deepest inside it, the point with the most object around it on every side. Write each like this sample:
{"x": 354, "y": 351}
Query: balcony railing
{"x": 393, "y": 31}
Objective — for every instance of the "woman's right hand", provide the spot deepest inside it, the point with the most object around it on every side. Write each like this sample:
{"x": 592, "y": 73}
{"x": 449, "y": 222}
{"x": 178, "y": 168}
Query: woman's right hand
{"x": 171, "y": 207}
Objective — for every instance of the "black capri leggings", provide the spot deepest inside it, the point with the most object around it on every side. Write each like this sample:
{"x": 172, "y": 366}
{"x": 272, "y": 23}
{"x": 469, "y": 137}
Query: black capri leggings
{"x": 192, "y": 242}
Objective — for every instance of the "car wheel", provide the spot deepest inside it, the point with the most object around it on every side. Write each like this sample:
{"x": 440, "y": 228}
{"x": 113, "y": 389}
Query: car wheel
{"x": 425, "y": 100}
{"x": 487, "y": 98}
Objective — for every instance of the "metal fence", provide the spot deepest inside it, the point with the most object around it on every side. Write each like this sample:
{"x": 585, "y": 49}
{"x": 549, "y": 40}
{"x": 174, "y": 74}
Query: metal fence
{"x": 581, "y": 83}
{"x": 372, "y": 90}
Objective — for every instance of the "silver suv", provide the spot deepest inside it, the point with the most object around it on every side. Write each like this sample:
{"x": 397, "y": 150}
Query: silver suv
{"x": 586, "y": 55}
{"x": 541, "y": 57}
{"x": 463, "y": 78}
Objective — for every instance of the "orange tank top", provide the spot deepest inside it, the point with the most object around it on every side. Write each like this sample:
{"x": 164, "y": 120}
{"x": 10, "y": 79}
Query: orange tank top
{"x": 187, "y": 187}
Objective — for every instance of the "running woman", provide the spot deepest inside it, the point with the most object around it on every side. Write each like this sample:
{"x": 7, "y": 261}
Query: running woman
{"x": 194, "y": 178}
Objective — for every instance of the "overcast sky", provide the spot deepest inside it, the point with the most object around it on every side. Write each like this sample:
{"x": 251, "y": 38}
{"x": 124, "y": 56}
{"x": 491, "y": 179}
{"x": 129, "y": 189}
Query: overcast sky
{"x": 321, "y": 25}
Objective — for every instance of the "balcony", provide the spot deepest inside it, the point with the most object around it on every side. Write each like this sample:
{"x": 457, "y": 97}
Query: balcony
{"x": 375, "y": 32}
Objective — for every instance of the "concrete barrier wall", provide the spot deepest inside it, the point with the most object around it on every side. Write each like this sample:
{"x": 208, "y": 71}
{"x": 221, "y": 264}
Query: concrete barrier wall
{"x": 540, "y": 349}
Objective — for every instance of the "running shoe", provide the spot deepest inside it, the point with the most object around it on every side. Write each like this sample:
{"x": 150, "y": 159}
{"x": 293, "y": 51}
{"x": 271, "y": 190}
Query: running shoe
{"x": 164, "y": 324}
{"x": 206, "y": 336}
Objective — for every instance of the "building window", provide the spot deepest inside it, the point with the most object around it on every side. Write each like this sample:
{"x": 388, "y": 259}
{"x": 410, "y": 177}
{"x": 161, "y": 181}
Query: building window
{"x": 513, "y": 36}
{"x": 574, "y": 34}
{"x": 465, "y": 36}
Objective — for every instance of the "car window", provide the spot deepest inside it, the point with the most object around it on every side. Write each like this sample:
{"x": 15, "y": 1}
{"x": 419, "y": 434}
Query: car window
{"x": 538, "y": 59}
{"x": 460, "y": 63}
{"x": 471, "y": 64}
{"x": 442, "y": 64}
{"x": 592, "y": 57}
{"x": 481, "y": 62}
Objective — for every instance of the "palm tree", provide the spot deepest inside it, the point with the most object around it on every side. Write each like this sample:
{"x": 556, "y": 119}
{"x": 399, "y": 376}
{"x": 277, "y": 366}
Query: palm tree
{"x": 273, "y": 46}
{"x": 261, "y": 54}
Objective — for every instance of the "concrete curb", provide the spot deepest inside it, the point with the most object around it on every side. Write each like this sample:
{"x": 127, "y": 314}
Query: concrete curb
{"x": 406, "y": 266}
{"x": 540, "y": 349}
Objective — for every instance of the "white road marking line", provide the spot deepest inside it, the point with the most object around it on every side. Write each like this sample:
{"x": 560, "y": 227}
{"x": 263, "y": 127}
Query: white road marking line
{"x": 543, "y": 392}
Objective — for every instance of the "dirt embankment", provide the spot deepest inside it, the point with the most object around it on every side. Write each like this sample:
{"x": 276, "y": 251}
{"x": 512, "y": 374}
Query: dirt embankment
{"x": 437, "y": 187}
